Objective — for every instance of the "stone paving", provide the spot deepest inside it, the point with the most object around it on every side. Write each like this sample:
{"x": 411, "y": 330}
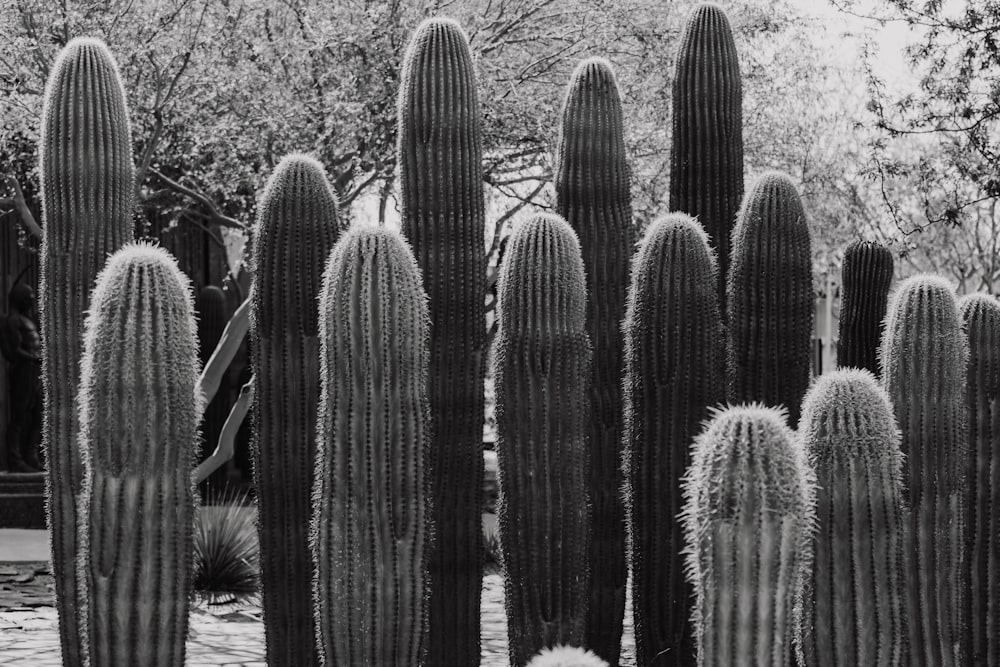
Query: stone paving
{"x": 227, "y": 635}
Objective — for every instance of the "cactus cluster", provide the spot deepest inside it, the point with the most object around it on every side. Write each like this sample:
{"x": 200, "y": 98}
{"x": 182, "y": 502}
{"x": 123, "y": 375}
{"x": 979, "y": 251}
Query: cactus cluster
{"x": 370, "y": 530}
{"x": 87, "y": 178}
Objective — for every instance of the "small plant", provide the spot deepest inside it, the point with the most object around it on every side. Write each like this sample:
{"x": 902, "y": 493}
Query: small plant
{"x": 566, "y": 656}
{"x": 226, "y": 551}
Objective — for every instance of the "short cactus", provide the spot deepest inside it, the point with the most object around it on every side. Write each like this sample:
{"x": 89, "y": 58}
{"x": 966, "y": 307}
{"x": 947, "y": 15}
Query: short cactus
{"x": 748, "y": 519}
{"x": 673, "y": 375}
{"x": 566, "y": 656}
{"x": 866, "y": 277}
{"x": 981, "y": 316}
{"x": 138, "y": 438}
{"x": 771, "y": 299}
{"x": 370, "y": 530}
{"x": 923, "y": 359}
{"x": 443, "y": 218}
{"x": 856, "y": 612}
{"x": 593, "y": 195}
{"x": 542, "y": 361}
{"x": 87, "y": 180}
{"x": 706, "y": 154}
{"x": 297, "y": 226}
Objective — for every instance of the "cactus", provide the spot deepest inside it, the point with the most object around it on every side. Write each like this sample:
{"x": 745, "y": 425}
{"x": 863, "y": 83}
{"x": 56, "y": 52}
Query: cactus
{"x": 673, "y": 375}
{"x": 440, "y": 159}
{"x": 541, "y": 362}
{"x": 923, "y": 358}
{"x": 370, "y": 531}
{"x": 867, "y": 275}
{"x": 138, "y": 437}
{"x": 87, "y": 203}
{"x": 748, "y": 517}
{"x": 706, "y": 156}
{"x": 770, "y": 298}
{"x": 981, "y": 315}
{"x": 566, "y": 656}
{"x": 593, "y": 195}
{"x": 212, "y": 316}
{"x": 856, "y": 611}
{"x": 297, "y": 225}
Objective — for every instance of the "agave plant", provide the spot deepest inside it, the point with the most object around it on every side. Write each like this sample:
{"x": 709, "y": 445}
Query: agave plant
{"x": 226, "y": 551}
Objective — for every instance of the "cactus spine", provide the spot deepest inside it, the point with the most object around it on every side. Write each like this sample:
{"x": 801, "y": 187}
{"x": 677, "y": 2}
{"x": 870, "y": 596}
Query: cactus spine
{"x": 440, "y": 158}
{"x": 923, "y": 358}
{"x": 748, "y": 518}
{"x": 706, "y": 156}
{"x": 857, "y": 609}
{"x": 566, "y": 656}
{"x": 981, "y": 315}
{"x": 771, "y": 298}
{"x": 542, "y": 360}
{"x": 87, "y": 200}
{"x": 138, "y": 436}
{"x": 297, "y": 225}
{"x": 673, "y": 375}
{"x": 594, "y": 197}
{"x": 370, "y": 527}
{"x": 866, "y": 277}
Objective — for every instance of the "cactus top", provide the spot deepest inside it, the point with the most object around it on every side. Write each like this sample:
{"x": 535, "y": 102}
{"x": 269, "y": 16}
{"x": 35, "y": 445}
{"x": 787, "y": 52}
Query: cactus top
{"x": 542, "y": 283}
{"x": 678, "y": 228}
{"x": 747, "y": 459}
{"x": 297, "y": 224}
{"x": 978, "y": 305}
{"x": 566, "y": 656}
{"x": 848, "y": 415}
{"x": 772, "y": 197}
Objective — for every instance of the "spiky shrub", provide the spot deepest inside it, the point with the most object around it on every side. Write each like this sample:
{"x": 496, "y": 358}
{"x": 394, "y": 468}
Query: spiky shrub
{"x": 138, "y": 438}
{"x": 566, "y": 656}
{"x": 748, "y": 518}
{"x": 87, "y": 200}
{"x": 297, "y": 226}
{"x": 866, "y": 277}
{"x": 706, "y": 154}
{"x": 226, "y": 551}
{"x": 770, "y": 302}
{"x": 673, "y": 375}
{"x": 593, "y": 195}
{"x": 212, "y": 318}
{"x": 981, "y": 316}
{"x": 440, "y": 174}
{"x": 923, "y": 359}
{"x": 370, "y": 531}
{"x": 856, "y": 610}
{"x": 542, "y": 359}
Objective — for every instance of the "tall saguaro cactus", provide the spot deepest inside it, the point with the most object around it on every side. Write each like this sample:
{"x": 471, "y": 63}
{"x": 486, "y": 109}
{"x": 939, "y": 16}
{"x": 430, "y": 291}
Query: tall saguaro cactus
{"x": 370, "y": 521}
{"x": 542, "y": 360}
{"x": 297, "y": 225}
{"x": 87, "y": 201}
{"x": 856, "y": 612}
{"x": 673, "y": 375}
{"x": 440, "y": 173}
{"x": 923, "y": 358}
{"x": 771, "y": 299}
{"x": 593, "y": 195}
{"x": 138, "y": 436}
{"x": 749, "y": 510}
{"x": 706, "y": 155}
{"x": 981, "y": 316}
{"x": 866, "y": 277}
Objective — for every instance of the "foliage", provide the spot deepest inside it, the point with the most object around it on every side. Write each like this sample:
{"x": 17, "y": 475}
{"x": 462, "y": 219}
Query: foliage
{"x": 226, "y": 551}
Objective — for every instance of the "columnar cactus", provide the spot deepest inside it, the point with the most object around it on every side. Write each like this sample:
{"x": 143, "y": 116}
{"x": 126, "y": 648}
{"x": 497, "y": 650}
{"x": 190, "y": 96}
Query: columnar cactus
{"x": 673, "y": 375}
{"x": 856, "y": 612}
{"x": 440, "y": 174}
{"x": 542, "y": 360}
{"x": 981, "y": 315}
{"x": 923, "y": 359}
{"x": 87, "y": 203}
{"x": 297, "y": 225}
{"x": 771, "y": 300}
{"x": 138, "y": 438}
{"x": 706, "y": 155}
{"x": 370, "y": 533}
{"x": 748, "y": 518}
{"x": 866, "y": 277}
{"x": 593, "y": 195}
{"x": 212, "y": 318}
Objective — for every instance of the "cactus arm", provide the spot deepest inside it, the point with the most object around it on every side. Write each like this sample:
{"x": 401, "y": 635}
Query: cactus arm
{"x": 232, "y": 337}
{"x": 227, "y": 438}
